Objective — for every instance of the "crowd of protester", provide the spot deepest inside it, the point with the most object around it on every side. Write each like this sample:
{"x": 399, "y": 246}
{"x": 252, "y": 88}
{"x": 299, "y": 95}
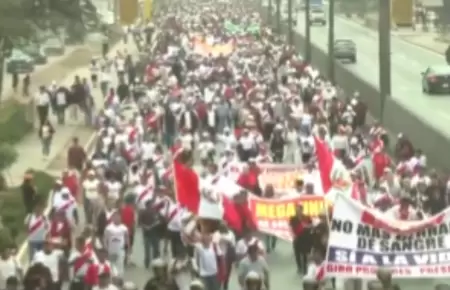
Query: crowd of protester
{"x": 181, "y": 99}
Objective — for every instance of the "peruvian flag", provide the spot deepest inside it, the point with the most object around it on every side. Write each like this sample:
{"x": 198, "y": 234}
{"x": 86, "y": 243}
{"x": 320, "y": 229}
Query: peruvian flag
{"x": 333, "y": 174}
{"x": 325, "y": 159}
{"x": 214, "y": 207}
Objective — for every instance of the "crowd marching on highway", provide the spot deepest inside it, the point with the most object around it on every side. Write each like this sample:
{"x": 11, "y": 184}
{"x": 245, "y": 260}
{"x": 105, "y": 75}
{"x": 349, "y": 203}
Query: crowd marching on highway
{"x": 217, "y": 141}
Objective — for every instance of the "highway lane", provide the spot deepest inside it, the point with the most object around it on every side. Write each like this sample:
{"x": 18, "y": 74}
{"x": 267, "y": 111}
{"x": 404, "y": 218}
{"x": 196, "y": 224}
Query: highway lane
{"x": 408, "y": 61}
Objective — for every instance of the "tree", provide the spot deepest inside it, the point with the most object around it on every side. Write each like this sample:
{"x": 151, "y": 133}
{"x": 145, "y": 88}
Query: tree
{"x": 13, "y": 22}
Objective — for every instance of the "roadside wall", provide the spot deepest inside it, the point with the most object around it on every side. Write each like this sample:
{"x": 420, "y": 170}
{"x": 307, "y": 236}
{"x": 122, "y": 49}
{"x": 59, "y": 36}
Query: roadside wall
{"x": 396, "y": 118}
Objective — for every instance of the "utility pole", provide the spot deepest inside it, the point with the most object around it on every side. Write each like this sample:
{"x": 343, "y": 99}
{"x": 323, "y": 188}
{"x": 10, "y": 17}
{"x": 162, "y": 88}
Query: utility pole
{"x": 269, "y": 13}
{"x": 384, "y": 50}
{"x": 307, "y": 30}
{"x": 278, "y": 17}
{"x": 290, "y": 24}
{"x": 331, "y": 60}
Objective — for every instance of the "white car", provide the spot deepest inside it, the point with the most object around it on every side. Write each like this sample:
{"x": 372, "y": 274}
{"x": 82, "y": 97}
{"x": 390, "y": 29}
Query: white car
{"x": 317, "y": 15}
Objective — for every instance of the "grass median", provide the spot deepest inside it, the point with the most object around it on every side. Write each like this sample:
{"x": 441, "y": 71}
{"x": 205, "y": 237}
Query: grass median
{"x": 13, "y": 212}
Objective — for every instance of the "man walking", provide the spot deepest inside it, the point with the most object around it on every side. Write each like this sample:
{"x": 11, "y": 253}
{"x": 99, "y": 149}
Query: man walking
{"x": 42, "y": 105}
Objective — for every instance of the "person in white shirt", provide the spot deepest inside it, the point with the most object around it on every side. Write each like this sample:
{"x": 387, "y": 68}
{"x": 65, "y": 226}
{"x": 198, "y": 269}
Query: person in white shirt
{"x": 104, "y": 282}
{"x": 246, "y": 146}
{"x": 227, "y": 138}
{"x": 61, "y": 104}
{"x": 181, "y": 270}
{"x": 9, "y": 267}
{"x": 93, "y": 201}
{"x": 116, "y": 240}
{"x": 46, "y": 132}
{"x": 206, "y": 147}
{"x": 38, "y": 227}
{"x": 227, "y": 243}
{"x": 42, "y": 100}
{"x": 243, "y": 244}
{"x": 105, "y": 80}
{"x": 210, "y": 263}
{"x": 50, "y": 258}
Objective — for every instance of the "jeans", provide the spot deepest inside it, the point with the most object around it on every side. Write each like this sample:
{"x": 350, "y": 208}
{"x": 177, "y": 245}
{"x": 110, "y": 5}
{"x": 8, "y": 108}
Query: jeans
{"x": 61, "y": 114}
{"x": 104, "y": 88}
{"x": 211, "y": 282}
{"x": 46, "y": 145}
{"x": 271, "y": 243}
{"x": 33, "y": 247}
{"x": 151, "y": 246}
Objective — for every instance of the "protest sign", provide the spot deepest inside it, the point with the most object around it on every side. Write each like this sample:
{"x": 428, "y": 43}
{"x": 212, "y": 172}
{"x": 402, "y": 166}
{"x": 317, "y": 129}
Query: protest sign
{"x": 283, "y": 177}
{"x": 273, "y": 215}
{"x": 362, "y": 240}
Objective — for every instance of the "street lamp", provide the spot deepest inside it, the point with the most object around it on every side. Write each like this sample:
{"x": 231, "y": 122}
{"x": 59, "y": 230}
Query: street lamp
{"x": 384, "y": 50}
{"x": 278, "y": 17}
{"x": 331, "y": 60}
{"x": 308, "y": 30}
{"x": 269, "y": 13}
{"x": 290, "y": 24}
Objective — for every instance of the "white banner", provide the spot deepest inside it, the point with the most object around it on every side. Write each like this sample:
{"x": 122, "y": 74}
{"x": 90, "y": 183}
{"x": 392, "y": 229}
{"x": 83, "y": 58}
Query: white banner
{"x": 365, "y": 168}
{"x": 362, "y": 240}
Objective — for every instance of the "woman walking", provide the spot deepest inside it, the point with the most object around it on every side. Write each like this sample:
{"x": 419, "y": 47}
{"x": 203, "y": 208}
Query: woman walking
{"x": 46, "y": 135}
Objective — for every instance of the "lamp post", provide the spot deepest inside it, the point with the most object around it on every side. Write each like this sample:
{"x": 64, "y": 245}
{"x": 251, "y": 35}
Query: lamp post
{"x": 308, "y": 30}
{"x": 269, "y": 13}
{"x": 278, "y": 15}
{"x": 331, "y": 60}
{"x": 290, "y": 24}
{"x": 384, "y": 50}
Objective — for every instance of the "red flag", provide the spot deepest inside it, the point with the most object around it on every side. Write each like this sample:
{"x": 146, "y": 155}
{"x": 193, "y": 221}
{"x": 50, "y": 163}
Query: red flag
{"x": 325, "y": 160}
{"x": 231, "y": 215}
{"x": 187, "y": 186}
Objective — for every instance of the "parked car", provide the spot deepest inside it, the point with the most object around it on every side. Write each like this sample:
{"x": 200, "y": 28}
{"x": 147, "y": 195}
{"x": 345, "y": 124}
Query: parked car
{"x": 36, "y": 52}
{"x": 19, "y": 62}
{"x": 54, "y": 46}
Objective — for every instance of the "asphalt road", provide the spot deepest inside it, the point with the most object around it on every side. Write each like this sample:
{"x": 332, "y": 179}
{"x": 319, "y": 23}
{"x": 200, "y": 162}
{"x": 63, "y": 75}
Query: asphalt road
{"x": 407, "y": 60}
{"x": 281, "y": 262}
{"x": 420, "y": 117}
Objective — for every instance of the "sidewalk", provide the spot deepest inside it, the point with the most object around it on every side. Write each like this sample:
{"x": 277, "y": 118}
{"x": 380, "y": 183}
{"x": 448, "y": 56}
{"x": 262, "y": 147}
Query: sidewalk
{"x": 29, "y": 149}
{"x": 429, "y": 40}
{"x": 38, "y": 70}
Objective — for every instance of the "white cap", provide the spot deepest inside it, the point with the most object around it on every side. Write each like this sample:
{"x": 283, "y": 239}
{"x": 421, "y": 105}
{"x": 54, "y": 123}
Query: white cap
{"x": 252, "y": 275}
{"x": 158, "y": 263}
{"x": 197, "y": 283}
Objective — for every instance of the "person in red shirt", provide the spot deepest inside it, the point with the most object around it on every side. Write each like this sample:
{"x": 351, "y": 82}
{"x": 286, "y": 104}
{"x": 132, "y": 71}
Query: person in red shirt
{"x": 70, "y": 180}
{"x": 60, "y": 231}
{"x": 381, "y": 161}
{"x": 95, "y": 270}
{"x": 301, "y": 229}
{"x": 249, "y": 178}
{"x": 128, "y": 215}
